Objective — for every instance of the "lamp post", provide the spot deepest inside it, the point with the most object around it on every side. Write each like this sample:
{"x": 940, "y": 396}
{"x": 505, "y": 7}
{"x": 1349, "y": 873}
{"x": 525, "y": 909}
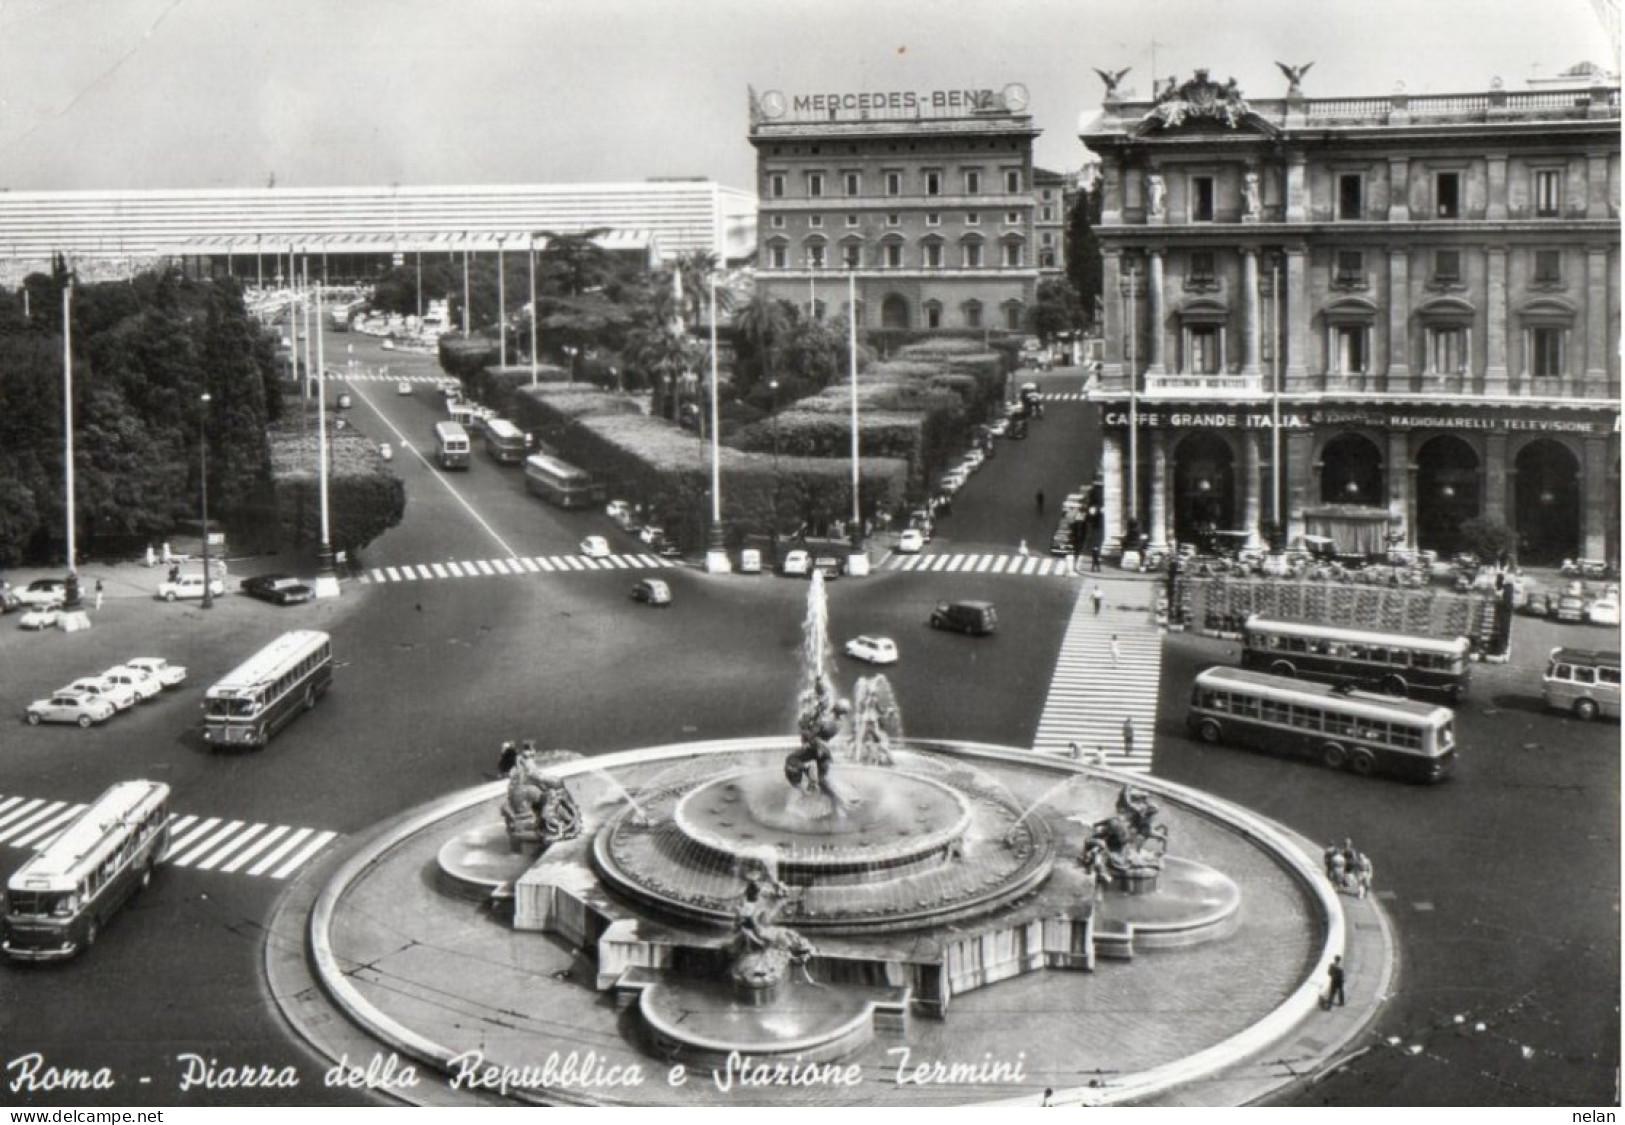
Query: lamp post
{"x": 502, "y": 303}
{"x": 327, "y": 581}
{"x": 534, "y": 311}
{"x": 852, "y": 363}
{"x": 773, "y": 385}
{"x": 71, "y": 592}
{"x": 203, "y": 482}
{"x": 716, "y": 548}
{"x": 1133, "y": 428}
{"x": 465, "y": 285}
{"x": 1275, "y": 400}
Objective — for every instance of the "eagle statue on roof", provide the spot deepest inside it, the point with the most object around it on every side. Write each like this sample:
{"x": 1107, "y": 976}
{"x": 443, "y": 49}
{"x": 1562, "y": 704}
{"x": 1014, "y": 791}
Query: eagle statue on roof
{"x": 1111, "y": 79}
{"x": 1294, "y": 76}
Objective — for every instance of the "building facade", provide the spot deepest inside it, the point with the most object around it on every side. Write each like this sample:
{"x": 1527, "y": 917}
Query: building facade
{"x": 924, "y": 199}
{"x": 1368, "y": 318}
{"x": 1052, "y": 200}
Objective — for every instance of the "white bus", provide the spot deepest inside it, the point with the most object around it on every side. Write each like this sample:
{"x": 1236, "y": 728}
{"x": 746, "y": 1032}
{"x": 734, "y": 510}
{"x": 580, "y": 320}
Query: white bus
{"x": 451, "y": 448}
{"x": 1364, "y": 732}
{"x": 1583, "y": 683}
{"x": 268, "y": 690}
{"x": 560, "y": 482}
{"x": 1393, "y": 663}
{"x": 505, "y": 442}
{"x": 58, "y": 901}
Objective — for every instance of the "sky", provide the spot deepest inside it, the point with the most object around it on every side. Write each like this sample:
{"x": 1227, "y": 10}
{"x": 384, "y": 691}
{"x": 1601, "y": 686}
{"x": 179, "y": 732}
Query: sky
{"x": 137, "y": 94}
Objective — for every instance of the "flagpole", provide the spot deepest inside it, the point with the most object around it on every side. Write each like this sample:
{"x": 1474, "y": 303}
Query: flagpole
{"x": 716, "y": 552}
{"x": 852, "y": 361}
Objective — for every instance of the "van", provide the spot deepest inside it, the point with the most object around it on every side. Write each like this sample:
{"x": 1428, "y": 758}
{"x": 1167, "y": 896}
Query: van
{"x": 977, "y": 619}
{"x": 1583, "y": 683}
{"x": 750, "y": 561}
{"x": 451, "y": 446}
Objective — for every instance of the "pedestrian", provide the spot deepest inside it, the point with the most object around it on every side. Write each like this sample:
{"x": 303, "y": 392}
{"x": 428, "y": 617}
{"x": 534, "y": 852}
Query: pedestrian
{"x": 507, "y": 759}
{"x": 1075, "y": 750}
{"x": 1117, "y": 653}
{"x": 98, "y": 593}
{"x": 1040, "y": 499}
{"x": 1128, "y": 737}
{"x": 174, "y": 572}
{"x": 1049, "y": 1094}
{"x": 167, "y": 556}
{"x": 1334, "y": 985}
{"x": 1098, "y": 596}
{"x": 1022, "y": 549}
{"x": 1094, "y": 559}
{"x": 152, "y": 559}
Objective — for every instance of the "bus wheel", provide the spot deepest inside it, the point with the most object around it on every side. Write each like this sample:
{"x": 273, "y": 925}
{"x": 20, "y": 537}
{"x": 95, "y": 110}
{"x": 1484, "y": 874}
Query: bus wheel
{"x": 1586, "y": 709}
{"x": 1458, "y": 693}
{"x": 90, "y": 933}
{"x": 1334, "y": 756}
{"x": 310, "y": 699}
{"x": 1363, "y": 763}
{"x": 1210, "y": 731}
{"x": 1283, "y": 668}
{"x": 1393, "y": 685}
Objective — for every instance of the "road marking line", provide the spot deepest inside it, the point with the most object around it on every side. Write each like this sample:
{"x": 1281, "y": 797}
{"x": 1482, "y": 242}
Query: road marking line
{"x": 544, "y": 564}
{"x": 281, "y": 850}
{"x": 439, "y": 570}
{"x": 394, "y": 575}
{"x": 484, "y": 568}
{"x": 208, "y": 841}
{"x": 219, "y": 855}
{"x": 186, "y": 840}
{"x": 31, "y": 819}
{"x": 529, "y": 564}
{"x": 456, "y": 570}
{"x": 13, "y": 815}
{"x": 304, "y": 853}
{"x": 48, "y": 827}
{"x": 259, "y": 846}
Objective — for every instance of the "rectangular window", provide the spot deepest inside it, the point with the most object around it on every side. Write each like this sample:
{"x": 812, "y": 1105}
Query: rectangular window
{"x": 815, "y": 220}
{"x": 1447, "y": 266}
{"x": 973, "y": 181}
{"x": 894, "y": 183}
{"x": 1201, "y": 199}
{"x": 1202, "y": 266}
{"x": 1350, "y": 267}
{"x": 1447, "y": 351}
{"x": 1204, "y": 358}
{"x": 852, "y": 255}
{"x": 1546, "y": 352}
{"x": 1349, "y": 343}
{"x": 1012, "y": 218}
{"x": 933, "y": 255}
{"x": 973, "y": 315}
{"x": 1012, "y": 318}
{"x": 851, "y": 220}
{"x": 815, "y": 256}
{"x": 894, "y": 219}
{"x": 973, "y": 255}
{"x": 815, "y": 184}
{"x": 853, "y": 182}
{"x": 1012, "y": 181}
{"x": 1048, "y": 215}
{"x": 1012, "y": 255}
{"x": 775, "y": 185}
{"x": 779, "y": 256}
{"x": 933, "y": 218}
{"x": 933, "y": 316}
{"x": 1047, "y": 238}
{"x": 1549, "y": 267}
{"x": 777, "y": 222}
{"x": 1350, "y": 195}
{"x": 972, "y": 218}
{"x": 894, "y": 255}
{"x": 1548, "y": 192}
{"x": 933, "y": 182}
{"x": 1447, "y": 195}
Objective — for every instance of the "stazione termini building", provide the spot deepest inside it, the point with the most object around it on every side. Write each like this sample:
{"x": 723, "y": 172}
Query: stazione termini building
{"x": 1370, "y": 317}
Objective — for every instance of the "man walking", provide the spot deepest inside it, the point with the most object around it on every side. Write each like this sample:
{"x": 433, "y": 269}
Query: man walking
{"x": 1040, "y": 500}
{"x": 98, "y": 593}
{"x": 1334, "y": 986}
{"x": 1094, "y": 559}
{"x": 1128, "y": 737}
{"x": 1098, "y": 596}
{"x": 1117, "y": 653}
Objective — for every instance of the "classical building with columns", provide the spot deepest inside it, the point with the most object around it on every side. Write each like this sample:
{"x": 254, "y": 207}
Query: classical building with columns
{"x": 1369, "y": 318}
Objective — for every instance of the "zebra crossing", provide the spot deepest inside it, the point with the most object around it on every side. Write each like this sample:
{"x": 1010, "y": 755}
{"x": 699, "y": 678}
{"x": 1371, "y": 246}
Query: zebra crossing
{"x": 491, "y": 568}
{"x": 1062, "y": 396}
{"x": 1091, "y": 693}
{"x": 340, "y": 375}
{"x": 268, "y": 851}
{"x": 1037, "y": 566}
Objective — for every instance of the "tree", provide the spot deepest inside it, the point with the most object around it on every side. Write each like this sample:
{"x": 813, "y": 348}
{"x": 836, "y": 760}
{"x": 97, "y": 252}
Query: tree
{"x": 759, "y": 328}
{"x": 1083, "y": 266}
{"x": 1058, "y": 310}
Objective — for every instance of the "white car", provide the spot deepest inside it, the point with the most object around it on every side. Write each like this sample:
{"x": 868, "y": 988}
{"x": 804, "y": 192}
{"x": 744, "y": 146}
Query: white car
{"x": 875, "y": 650}
{"x": 999, "y": 428}
{"x": 797, "y": 563}
{"x": 167, "y": 674}
{"x": 1603, "y": 611}
{"x": 121, "y": 697}
{"x": 41, "y": 616}
{"x": 974, "y": 459}
{"x": 145, "y": 687}
{"x": 70, "y": 707}
{"x": 911, "y": 542}
{"x": 595, "y": 547}
{"x": 404, "y": 387}
{"x": 189, "y": 586}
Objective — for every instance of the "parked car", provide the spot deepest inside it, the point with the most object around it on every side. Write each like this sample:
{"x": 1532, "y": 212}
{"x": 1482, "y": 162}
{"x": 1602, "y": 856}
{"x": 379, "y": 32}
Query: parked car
{"x": 971, "y": 617}
{"x": 652, "y": 591}
{"x": 621, "y": 512}
{"x": 1538, "y": 603}
{"x": 1571, "y": 607}
{"x": 1603, "y": 611}
{"x": 1018, "y": 430}
{"x": 170, "y": 675}
{"x": 120, "y": 696}
{"x": 649, "y": 533}
{"x": 41, "y": 616}
{"x": 911, "y": 542}
{"x": 344, "y": 401}
{"x": 403, "y": 387}
{"x": 279, "y": 589}
{"x": 999, "y": 428}
{"x": 70, "y": 707}
{"x": 189, "y": 586}
{"x": 875, "y": 650}
{"x": 9, "y": 601}
{"x": 665, "y": 548}
{"x": 750, "y": 561}
{"x": 797, "y": 563}
{"x": 595, "y": 547}
{"x": 829, "y": 564}
{"x": 43, "y": 591}
{"x": 1061, "y": 542}
{"x": 145, "y": 686}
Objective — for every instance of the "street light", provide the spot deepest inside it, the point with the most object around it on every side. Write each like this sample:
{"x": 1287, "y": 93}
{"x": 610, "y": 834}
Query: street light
{"x": 533, "y": 309}
{"x": 203, "y": 478}
{"x": 716, "y": 548}
{"x": 773, "y": 385}
{"x": 502, "y": 303}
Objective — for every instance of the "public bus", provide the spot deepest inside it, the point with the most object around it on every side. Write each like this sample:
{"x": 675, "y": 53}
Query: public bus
{"x": 268, "y": 690}
{"x": 1342, "y": 727}
{"x": 560, "y": 482}
{"x": 451, "y": 446}
{"x": 1392, "y": 663}
{"x": 59, "y": 900}
{"x": 505, "y": 442}
{"x": 1583, "y": 683}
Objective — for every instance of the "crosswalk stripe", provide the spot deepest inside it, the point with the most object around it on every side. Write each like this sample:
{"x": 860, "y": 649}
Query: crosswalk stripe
{"x": 439, "y": 570}
{"x": 529, "y": 565}
{"x": 394, "y": 575}
{"x": 220, "y": 855}
{"x": 178, "y": 823}
{"x": 281, "y": 850}
{"x": 208, "y": 841}
{"x": 41, "y": 832}
{"x": 456, "y": 570}
{"x": 22, "y": 811}
{"x": 484, "y": 567}
{"x": 303, "y": 854}
{"x": 185, "y": 841}
{"x": 31, "y": 819}
{"x": 544, "y": 564}
{"x": 260, "y": 845}
{"x": 8, "y": 803}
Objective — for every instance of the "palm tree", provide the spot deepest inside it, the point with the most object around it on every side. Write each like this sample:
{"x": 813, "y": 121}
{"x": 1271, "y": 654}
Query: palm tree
{"x": 760, "y": 329}
{"x": 696, "y": 269}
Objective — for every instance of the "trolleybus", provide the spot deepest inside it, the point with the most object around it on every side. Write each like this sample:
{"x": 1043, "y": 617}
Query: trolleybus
{"x": 1582, "y": 682}
{"x": 59, "y": 900}
{"x": 1342, "y": 727}
{"x": 505, "y": 442}
{"x": 450, "y": 445}
{"x": 560, "y": 482}
{"x": 1388, "y": 662}
{"x": 268, "y": 690}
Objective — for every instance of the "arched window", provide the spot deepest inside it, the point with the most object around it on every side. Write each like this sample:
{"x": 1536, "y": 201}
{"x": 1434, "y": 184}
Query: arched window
{"x": 972, "y": 312}
{"x": 1348, "y": 335}
{"x": 1447, "y": 336}
{"x": 933, "y": 313}
{"x": 1014, "y": 315}
{"x": 1546, "y": 325}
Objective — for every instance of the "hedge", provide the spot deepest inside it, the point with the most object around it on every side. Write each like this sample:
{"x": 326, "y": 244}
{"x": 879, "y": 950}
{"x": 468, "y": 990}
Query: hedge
{"x": 364, "y": 496}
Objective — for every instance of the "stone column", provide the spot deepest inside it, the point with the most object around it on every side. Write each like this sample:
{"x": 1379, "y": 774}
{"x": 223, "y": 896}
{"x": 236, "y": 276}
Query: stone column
{"x": 1251, "y": 499}
{"x": 1399, "y": 189}
{"x": 1297, "y": 194}
{"x": 1497, "y": 494}
{"x": 1111, "y": 192}
{"x": 1111, "y": 475}
{"x": 1295, "y": 311}
{"x": 1153, "y": 313}
{"x": 1599, "y": 286}
{"x": 1398, "y": 378}
{"x": 1302, "y": 481}
{"x": 1249, "y": 307}
{"x": 1111, "y": 301}
{"x": 1495, "y": 308}
{"x": 1596, "y": 193}
{"x": 1158, "y": 529}
{"x": 1595, "y": 499}
{"x": 1496, "y": 201}
{"x": 1401, "y": 482}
